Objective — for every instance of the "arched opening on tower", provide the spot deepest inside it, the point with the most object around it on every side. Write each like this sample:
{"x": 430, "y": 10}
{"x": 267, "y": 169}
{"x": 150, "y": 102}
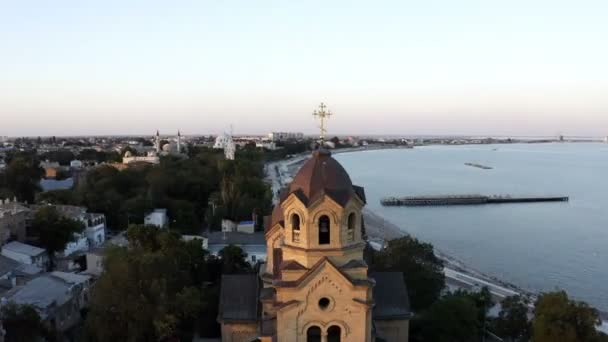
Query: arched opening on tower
{"x": 334, "y": 334}
{"x": 313, "y": 334}
{"x": 295, "y": 226}
{"x": 352, "y": 222}
{"x": 324, "y": 230}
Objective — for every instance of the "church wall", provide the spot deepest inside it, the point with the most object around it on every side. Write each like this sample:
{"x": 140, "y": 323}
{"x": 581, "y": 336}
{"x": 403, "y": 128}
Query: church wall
{"x": 239, "y": 332}
{"x": 353, "y": 317}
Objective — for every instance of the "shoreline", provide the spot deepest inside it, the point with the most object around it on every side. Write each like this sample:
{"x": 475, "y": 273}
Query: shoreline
{"x": 379, "y": 230}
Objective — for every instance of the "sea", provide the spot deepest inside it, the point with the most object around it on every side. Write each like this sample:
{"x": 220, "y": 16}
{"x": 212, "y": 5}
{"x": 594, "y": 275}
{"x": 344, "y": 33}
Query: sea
{"x": 535, "y": 246}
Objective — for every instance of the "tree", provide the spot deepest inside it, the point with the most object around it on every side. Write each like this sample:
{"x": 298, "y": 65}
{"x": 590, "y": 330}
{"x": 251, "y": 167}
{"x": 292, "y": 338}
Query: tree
{"x": 21, "y": 323}
{"x": 557, "y": 318}
{"x": 512, "y": 322}
{"x": 453, "y": 318}
{"x": 422, "y": 270}
{"x": 233, "y": 260}
{"x": 22, "y": 177}
{"x": 155, "y": 290}
{"x": 53, "y": 230}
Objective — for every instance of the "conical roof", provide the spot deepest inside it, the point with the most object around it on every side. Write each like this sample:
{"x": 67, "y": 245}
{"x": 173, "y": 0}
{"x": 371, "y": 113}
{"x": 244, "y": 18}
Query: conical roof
{"x": 321, "y": 175}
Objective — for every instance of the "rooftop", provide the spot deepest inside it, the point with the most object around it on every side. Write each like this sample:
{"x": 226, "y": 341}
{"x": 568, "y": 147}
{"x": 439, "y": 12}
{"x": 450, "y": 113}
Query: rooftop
{"x": 390, "y": 296}
{"x": 239, "y": 297}
{"x": 236, "y": 238}
{"x": 22, "y": 248}
{"x": 7, "y": 265}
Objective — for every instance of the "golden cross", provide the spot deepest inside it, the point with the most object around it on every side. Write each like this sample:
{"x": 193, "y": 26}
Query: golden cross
{"x": 322, "y": 114}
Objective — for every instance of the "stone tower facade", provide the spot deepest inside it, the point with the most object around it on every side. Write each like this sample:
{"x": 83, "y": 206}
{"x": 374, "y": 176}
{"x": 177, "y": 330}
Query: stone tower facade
{"x": 315, "y": 285}
{"x": 315, "y": 258}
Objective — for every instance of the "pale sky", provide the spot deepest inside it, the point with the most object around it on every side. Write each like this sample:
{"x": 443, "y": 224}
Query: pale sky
{"x": 496, "y": 67}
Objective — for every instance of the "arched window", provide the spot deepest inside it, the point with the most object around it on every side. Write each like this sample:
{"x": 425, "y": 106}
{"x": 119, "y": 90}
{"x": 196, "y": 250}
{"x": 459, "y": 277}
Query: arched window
{"x": 334, "y": 333}
{"x": 295, "y": 227}
{"x": 352, "y": 222}
{"x": 324, "y": 229}
{"x": 313, "y": 334}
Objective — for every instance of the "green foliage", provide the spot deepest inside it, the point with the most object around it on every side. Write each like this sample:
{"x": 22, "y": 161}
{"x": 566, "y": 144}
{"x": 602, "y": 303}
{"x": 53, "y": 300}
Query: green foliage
{"x": 90, "y": 154}
{"x": 21, "y": 178}
{"x": 21, "y": 323}
{"x": 57, "y": 197}
{"x": 453, "y": 318}
{"x": 63, "y": 157}
{"x": 233, "y": 260}
{"x": 512, "y": 322}
{"x": 183, "y": 186}
{"x": 422, "y": 270}
{"x": 53, "y": 230}
{"x": 155, "y": 290}
{"x": 558, "y": 318}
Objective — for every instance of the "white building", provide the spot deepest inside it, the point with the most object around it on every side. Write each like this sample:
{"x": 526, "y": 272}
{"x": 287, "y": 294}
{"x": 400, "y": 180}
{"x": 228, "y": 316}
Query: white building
{"x": 151, "y": 158}
{"x": 76, "y": 164}
{"x": 282, "y": 136}
{"x": 269, "y": 145}
{"x": 95, "y": 230}
{"x": 157, "y": 218}
{"x": 80, "y": 243}
{"x": 226, "y": 143}
{"x": 254, "y": 245}
{"x": 26, "y": 254}
{"x": 242, "y": 227}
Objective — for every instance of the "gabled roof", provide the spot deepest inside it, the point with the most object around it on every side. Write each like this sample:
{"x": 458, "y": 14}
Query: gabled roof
{"x": 390, "y": 296}
{"x": 354, "y": 264}
{"x": 239, "y": 298}
{"x": 316, "y": 266}
{"x": 292, "y": 265}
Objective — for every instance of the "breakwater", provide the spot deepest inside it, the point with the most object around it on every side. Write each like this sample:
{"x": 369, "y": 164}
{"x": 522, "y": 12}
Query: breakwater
{"x": 479, "y": 166}
{"x": 466, "y": 200}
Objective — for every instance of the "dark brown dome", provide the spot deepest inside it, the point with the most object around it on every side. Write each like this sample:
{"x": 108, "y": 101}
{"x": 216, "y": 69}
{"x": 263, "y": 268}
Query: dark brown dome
{"x": 320, "y": 175}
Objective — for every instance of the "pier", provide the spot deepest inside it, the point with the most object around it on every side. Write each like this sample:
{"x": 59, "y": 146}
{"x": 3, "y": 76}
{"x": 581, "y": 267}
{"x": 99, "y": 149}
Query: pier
{"x": 479, "y": 166}
{"x": 466, "y": 200}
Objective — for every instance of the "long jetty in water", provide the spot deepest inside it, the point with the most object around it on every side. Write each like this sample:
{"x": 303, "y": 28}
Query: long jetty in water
{"x": 466, "y": 200}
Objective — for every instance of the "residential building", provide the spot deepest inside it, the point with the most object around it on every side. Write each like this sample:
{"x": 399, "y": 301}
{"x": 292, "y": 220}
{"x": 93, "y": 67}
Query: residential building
{"x": 27, "y": 254}
{"x": 315, "y": 285}
{"x": 157, "y": 218}
{"x": 13, "y": 219}
{"x": 58, "y": 298}
{"x": 243, "y": 226}
{"x": 151, "y": 158}
{"x": 95, "y": 229}
{"x": 253, "y": 244}
{"x": 76, "y": 164}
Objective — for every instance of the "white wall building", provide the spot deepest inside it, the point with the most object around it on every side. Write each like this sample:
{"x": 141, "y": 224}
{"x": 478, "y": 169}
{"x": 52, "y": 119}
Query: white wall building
{"x": 26, "y": 254}
{"x": 80, "y": 243}
{"x": 252, "y": 244}
{"x": 157, "y": 218}
{"x": 76, "y": 164}
{"x": 95, "y": 230}
{"x": 226, "y": 143}
{"x": 282, "y": 136}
